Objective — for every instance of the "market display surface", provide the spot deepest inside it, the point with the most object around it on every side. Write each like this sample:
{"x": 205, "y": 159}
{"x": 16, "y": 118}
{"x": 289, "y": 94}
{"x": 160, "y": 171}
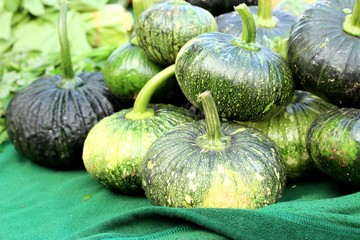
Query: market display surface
{"x": 201, "y": 121}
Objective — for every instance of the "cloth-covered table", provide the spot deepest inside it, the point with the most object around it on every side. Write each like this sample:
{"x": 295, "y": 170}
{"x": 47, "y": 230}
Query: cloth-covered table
{"x": 40, "y": 203}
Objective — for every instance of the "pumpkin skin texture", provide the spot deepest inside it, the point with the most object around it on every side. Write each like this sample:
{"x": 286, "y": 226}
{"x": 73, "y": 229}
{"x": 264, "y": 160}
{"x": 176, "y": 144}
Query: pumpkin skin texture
{"x": 246, "y": 85}
{"x": 323, "y": 57}
{"x": 271, "y": 37}
{"x": 217, "y": 7}
{"x": 127, "y": 70}
{"x": 48, "y": 124}
{"x": 115, "y": 159}
{"x": 333, "y": 143}
{"x": 289, "y": 128}
{"x": 165, "y": 27}
{"x": 249, "y": 173}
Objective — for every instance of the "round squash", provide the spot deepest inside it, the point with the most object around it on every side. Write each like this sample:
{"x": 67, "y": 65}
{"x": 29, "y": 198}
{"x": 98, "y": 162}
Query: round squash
{"x": 272, "y": 25}
{"x": 289, "y": 128}
{"x": 115, "y": 147}
{"x": 213, "y": 165}
{"x": 164, "y": 28}
{"x": 49, "y": 120}
{"x": 127, "y": 70}
{"x": 324, "y": 46}
{"x": 333, "y": 143}
{"x": 248, "y": 81}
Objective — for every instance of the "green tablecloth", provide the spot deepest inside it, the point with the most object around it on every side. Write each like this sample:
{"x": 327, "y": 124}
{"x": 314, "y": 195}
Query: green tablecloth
{"x": 39, "y": 203}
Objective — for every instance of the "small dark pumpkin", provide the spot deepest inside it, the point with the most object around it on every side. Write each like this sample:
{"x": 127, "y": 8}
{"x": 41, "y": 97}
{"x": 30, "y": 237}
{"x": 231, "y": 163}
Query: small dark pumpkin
{"x": 323, "y": 51}
{"x": 333, "y": 143}
{"x": 115, "y": 147}
{"x": 272, "y": 25}
{"x": 289, "y": 128}
{"x": 49, "y": 120}
{"x": 248, "y": 81}
{"x": 212, "y": 164}
{"x": 164, "y": 28}
{"x": 127, "y": 70}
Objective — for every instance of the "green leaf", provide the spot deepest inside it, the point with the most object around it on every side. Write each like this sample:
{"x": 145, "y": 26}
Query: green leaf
{"x": 51, "y": 3}
{"x": 5, "y": 20}
{"x": 12, "y": 5}
{"x": 45, "y": 40}
{"x": 5, "y": 45}
{"x": 35, "y": 7}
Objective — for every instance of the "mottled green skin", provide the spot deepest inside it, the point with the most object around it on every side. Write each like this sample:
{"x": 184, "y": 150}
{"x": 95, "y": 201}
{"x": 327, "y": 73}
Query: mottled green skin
{"x": 324, "y": 58}
{"x": 333, "y": 143}
{"x": 164, "y": 28}
{"x": 231, "y": 23}
{"x": 249, "y": 173}
{"x": 217, "y": 7}
{"x": 114, "y": 148}
{"x": 48, "y": 124}
{"x": 289, "y": 128}
{"x": 127, "y": 70}
{"x": 246, "y": 85}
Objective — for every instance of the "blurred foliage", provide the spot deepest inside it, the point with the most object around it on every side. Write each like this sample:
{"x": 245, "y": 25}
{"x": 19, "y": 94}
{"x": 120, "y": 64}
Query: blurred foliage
{"x": 29, "y": 44}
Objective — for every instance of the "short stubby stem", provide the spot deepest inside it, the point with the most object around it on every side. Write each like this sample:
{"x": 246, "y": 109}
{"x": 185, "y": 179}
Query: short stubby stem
{"x": 351, "y": 23}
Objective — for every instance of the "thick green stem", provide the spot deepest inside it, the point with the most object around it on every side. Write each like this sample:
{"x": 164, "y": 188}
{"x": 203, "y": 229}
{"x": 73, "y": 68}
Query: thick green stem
{"x": 351, "y": 23}
{"x": 140, "y": 110}
{"x": 214, "y": 139}
{"x": 264, "y": 17}
{"x": 68, "y": 77}
{"x": 248, "y": 33}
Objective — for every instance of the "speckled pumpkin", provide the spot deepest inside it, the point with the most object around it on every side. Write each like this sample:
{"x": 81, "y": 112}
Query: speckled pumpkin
{"x": 213, "y": 164}
{"x": 333, "y": 143}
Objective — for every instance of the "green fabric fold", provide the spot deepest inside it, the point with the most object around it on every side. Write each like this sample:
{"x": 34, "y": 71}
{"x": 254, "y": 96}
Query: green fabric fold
{"x": 39, "y": 203}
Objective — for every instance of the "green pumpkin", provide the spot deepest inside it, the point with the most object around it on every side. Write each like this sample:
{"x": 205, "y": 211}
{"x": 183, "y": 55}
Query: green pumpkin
{"x": 324, "y": 46}
{"x": 217, "y": 7}
{"x": 164, "y": 28}
{"x": 115, "y": 147}
{"x": 288, "y": 129}
{"x": 272, "y": 25}
{"x": 127, "y": 70}
{"x": 213, "y": 165}
{"x": 333, "y": 143}
{"x": 49, "y": 120}
{"x": 248, "y": 81}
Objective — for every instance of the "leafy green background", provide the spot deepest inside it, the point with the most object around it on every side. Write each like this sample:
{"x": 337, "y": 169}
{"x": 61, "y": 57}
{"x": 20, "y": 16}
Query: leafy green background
{"x": 29, "y": 45}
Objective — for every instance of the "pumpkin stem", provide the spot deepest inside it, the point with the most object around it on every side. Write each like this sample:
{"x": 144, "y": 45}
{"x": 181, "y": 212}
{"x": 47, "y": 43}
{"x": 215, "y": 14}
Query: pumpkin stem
{"x": 214, "y": 139}
{"x": 140, "y": 110}
{"x": 351, "y": 23}
{"x": 248, "y": 33}
{"x": 69, "y": 80}
{"x": 264, "y": 17}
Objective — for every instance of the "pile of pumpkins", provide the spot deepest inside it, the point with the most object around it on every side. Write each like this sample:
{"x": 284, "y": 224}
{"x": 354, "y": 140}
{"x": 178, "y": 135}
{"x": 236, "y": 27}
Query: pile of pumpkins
{"x": 205, "y": 110}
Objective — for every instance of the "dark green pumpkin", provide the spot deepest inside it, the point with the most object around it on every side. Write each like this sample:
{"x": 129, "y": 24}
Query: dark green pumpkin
{"x": 333, "y": 143}
{"x": 323, "y": 56}
{"x": 115, "y": 147}
{"x": 248, "y": 81}
{"x": 49, "y": 120}
{"x": 272, "y": 26}
{"x": 127, "y": 70}
{"x": 217, "y": 7}
{"x": 213, "y": 164}
{"x": 289, "y": 128}
{"x": 164, "y": 28}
